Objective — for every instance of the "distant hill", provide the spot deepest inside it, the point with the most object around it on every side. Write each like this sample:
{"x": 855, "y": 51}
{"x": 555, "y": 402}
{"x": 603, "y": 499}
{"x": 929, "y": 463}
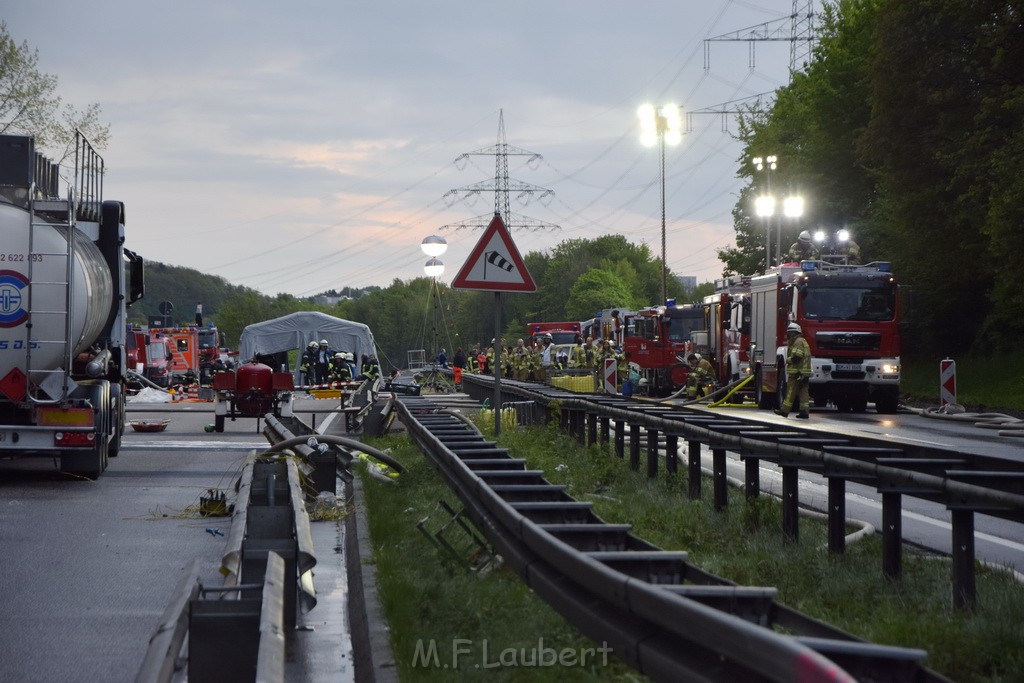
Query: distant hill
{"x": 183, "y": 287}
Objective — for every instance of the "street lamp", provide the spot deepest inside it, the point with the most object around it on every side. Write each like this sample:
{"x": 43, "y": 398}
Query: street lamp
{"x": 764, "y": 207}
{"x": 433, "y": 247}
{"x": 662, "y": 125}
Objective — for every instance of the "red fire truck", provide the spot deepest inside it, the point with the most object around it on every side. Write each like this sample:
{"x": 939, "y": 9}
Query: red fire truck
{"x": 561, "y": 333}
{"x": 850, "y": 317}
{"x": 183, "y": 344}
{"x": 728, "y": 328}
{"x": 658, "y": 339}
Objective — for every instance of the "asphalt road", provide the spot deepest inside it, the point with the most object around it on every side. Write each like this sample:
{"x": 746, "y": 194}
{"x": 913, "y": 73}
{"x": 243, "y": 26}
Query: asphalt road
{"x": 88, "y": 567}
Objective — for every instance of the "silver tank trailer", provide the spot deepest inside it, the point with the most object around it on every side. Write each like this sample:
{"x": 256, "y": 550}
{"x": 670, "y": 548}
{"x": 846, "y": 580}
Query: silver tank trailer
{"x": 92, "y": 291}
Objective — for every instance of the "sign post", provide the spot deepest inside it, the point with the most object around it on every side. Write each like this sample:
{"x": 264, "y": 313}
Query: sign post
{"x": 495, "y": 265}
{"x": 947, "y": 382}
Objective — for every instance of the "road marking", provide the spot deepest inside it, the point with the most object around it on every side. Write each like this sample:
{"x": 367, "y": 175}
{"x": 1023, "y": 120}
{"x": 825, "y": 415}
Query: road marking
{"x": 212, "y": 445}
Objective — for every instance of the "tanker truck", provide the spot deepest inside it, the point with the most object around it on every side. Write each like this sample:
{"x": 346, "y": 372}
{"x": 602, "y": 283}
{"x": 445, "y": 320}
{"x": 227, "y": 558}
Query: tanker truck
{"x": 65, "y": 282}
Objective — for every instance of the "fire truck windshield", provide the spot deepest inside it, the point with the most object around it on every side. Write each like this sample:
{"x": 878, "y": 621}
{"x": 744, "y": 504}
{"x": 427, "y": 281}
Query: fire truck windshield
{"x": 682, "y": 323}
{"x": 870, "y": 303}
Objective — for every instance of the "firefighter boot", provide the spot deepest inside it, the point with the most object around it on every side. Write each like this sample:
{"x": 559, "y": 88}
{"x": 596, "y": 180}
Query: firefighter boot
{"x": 783, "y": 413}
{"x": 803, "y": 415}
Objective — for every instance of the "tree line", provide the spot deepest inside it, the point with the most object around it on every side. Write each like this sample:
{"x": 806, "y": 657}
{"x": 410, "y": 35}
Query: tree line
{"x": 907, "y": 128}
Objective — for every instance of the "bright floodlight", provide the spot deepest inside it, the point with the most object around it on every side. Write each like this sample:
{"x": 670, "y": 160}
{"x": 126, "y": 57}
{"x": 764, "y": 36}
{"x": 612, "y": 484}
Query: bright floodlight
{"x": 793, "y": 207}
{"x": 648, "y": 125}
{"x": 819, "y": 236}
{"x": 843, "y": 235}
{"x": 764, "y": 205}
{"x": 434, "y": 245}
{"x": 433, "y": 268}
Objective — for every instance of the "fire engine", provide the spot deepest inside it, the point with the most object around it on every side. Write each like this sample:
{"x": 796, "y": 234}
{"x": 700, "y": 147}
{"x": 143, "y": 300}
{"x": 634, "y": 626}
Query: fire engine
{"x": 850, "y": 318}
{"x": 609, "y": 324}
{"x": 658, "y": 340}
{"x": 65, "y": 281}
{"x": 183, "y": 344}
{"x": 561, "y": 333}
{"x": 728, "y": 329}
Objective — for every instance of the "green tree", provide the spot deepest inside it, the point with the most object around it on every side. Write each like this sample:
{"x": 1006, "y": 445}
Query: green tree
{"x": 29, "y": 104}
{"x": 596, "y": 290}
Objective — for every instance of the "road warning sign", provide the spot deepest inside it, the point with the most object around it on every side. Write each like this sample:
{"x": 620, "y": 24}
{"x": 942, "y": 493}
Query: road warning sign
{"x": 947, "y": 382}
{"x": 495, "y": 264}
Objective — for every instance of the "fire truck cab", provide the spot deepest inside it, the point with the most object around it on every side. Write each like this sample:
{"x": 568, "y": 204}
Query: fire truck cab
{"x": 850, "y": 318}
{"x": 658, "y": 340}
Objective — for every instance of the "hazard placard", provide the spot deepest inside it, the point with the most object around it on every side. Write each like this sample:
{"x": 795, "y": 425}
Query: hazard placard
{"x": 495, "y": 264}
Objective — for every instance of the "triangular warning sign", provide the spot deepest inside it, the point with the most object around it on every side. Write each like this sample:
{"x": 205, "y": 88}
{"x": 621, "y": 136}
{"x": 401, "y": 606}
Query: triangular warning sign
{"x": 495, "y": 264}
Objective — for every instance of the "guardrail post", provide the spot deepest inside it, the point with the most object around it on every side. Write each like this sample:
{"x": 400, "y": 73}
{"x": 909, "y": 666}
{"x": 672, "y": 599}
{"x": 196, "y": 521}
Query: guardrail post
{"x": 721, "y": 482}
{"x": 672, "y": 453}
{"x": 591, "y": 428}
{"x": 892, "y": 534}
{"x": 605, "y": 429}
{"x": 693, "y": 470}
{"x": 652, "y": 453}
{"x": 634, "y": 446}
{"x": 836, "y": 515}
{"x": 620, "y": 438}
{"x": 790, "y": 503}
{"x": 964, "y": 594}
{"x": 752, "y": 478}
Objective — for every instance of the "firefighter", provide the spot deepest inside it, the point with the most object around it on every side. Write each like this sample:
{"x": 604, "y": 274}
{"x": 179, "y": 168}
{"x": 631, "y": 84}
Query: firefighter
{"x": 371, "y": 368}
{"x": 520, "y": 361}
{"x": 323, "y": 363}
{"x": 803, "y": 249}
{"x": 798, "y": 373}
{"x": 341, "y": 371}
{"x": 702, "y": 375}
{"x": 309, "y": 363}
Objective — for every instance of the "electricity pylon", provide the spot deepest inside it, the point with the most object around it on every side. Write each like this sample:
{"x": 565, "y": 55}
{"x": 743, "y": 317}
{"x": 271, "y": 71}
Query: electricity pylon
{"x": 502, "y": 186}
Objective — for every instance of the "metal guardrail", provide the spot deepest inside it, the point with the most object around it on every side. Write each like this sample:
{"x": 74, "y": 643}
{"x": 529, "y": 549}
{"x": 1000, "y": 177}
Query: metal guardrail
{"x": 965, "y": 483}
{"x": 664, "y": 616}
{"x": 267, "y": 565}
{"x": 240, "y": 639}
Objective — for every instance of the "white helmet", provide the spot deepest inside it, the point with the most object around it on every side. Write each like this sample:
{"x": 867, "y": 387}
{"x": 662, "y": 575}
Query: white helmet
{"x": 323, "y": 342}
{"x": 312, "y": 345}
{"x": 805, "y": 236}
{"x": 793, "y": 327}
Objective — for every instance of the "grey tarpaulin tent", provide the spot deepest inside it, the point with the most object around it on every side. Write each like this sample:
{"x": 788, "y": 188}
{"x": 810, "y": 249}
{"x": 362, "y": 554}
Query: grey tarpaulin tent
{"x": 296, "y": 330}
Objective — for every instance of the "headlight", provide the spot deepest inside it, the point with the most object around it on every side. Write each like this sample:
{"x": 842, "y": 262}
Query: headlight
{"x": 890, "y": 369}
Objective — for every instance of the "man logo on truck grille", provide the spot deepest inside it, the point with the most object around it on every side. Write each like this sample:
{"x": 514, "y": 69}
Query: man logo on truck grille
{"x": 12, "y": 289}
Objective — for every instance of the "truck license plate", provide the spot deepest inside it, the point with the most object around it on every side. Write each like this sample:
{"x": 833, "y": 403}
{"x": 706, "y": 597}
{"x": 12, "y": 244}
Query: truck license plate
{"x": 848, "y": 367}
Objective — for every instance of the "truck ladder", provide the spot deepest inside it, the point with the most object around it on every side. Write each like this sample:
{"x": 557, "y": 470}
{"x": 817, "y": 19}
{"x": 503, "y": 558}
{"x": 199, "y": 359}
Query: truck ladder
{"x": 38, "y": 377}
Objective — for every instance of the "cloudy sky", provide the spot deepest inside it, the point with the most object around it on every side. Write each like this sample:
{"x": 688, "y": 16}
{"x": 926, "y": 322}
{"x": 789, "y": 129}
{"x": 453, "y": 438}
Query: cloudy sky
{"x": 295, "y": 147}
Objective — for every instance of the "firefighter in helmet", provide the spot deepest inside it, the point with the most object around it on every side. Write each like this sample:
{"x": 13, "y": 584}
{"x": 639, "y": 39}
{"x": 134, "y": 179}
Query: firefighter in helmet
{"x": 309, "y": 363}
{"x": 341, "y": 371}
{"x": 798, "y": 373}
{"x": 701, "y": 377}
{"x": 803, "y": 249}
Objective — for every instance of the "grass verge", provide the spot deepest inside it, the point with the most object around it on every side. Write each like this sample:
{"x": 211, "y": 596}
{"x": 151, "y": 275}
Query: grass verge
{"x": 743, "y": 543}
{"x": 983, "y": 384}
{"x": 448, "y": 623}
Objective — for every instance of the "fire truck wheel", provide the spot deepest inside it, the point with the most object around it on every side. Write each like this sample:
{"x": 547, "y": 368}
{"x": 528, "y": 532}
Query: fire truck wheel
{"x": 887, "y": 403}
